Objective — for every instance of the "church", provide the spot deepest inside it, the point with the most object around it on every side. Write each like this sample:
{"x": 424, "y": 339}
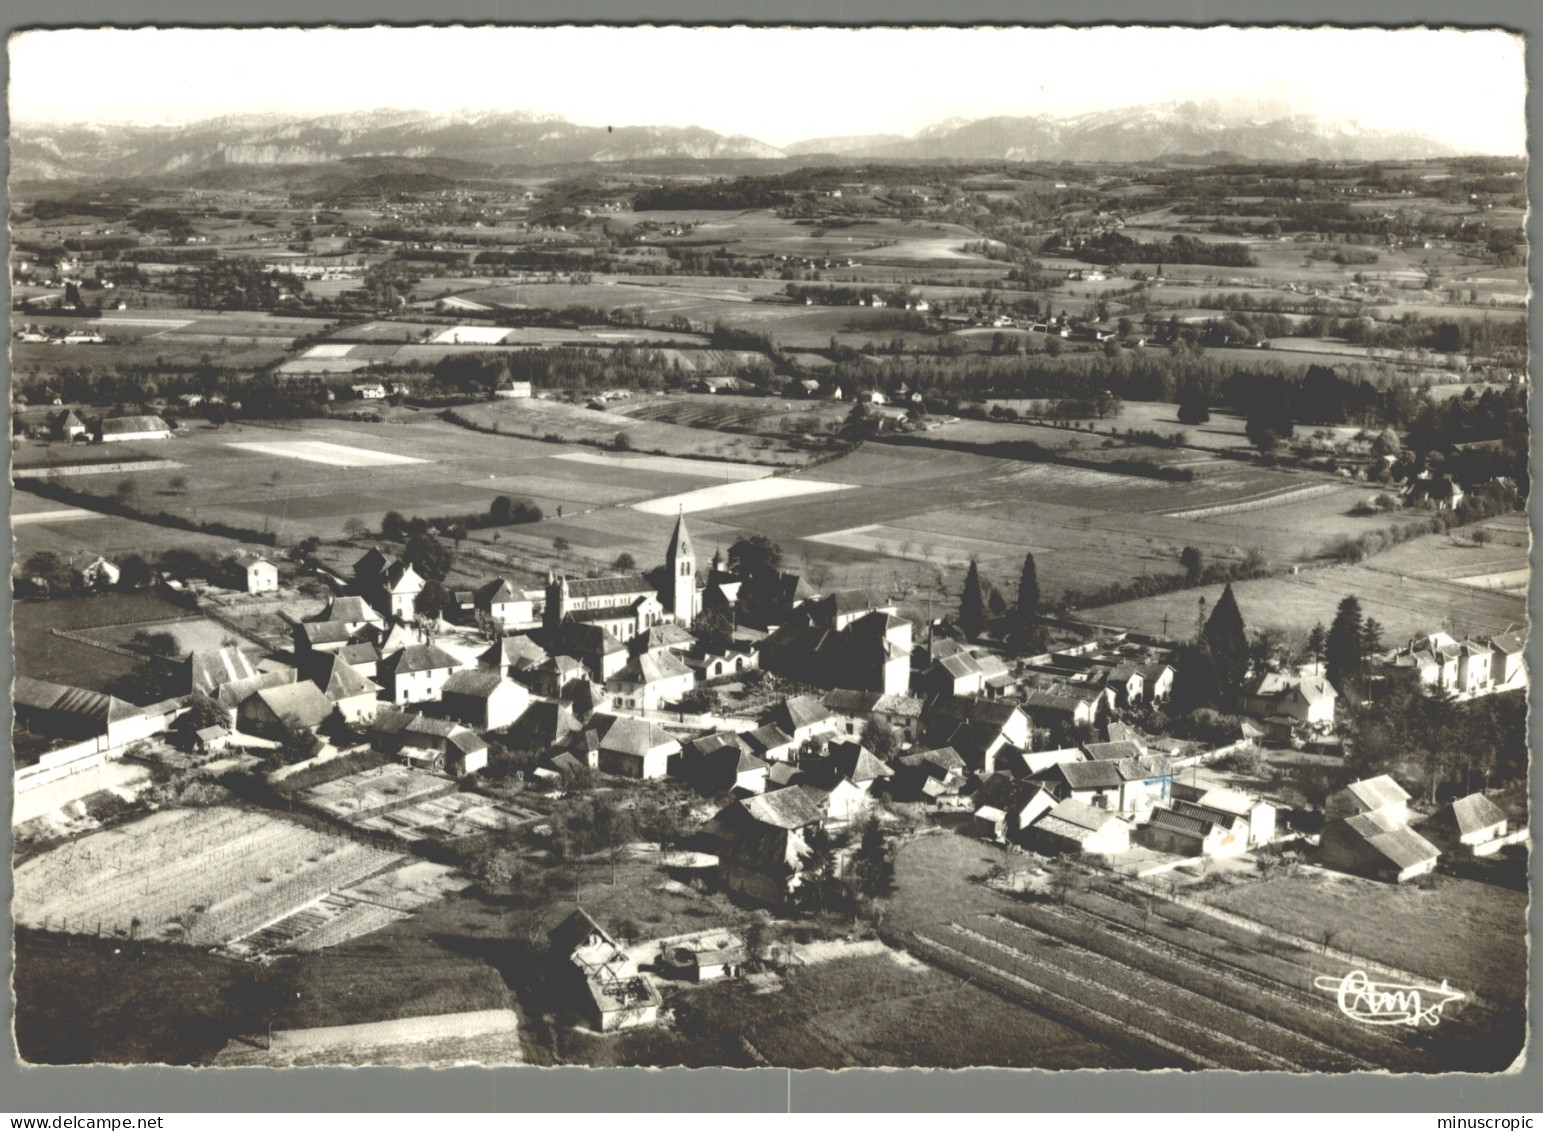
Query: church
{"x": 627, "y": 605}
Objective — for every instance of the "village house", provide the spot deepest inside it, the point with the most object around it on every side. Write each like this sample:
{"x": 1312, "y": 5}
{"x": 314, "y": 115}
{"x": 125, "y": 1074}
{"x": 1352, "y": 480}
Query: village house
{"x": 416, "y": 673}
{"x": 719, "y": 764}
{"x": 1005, "y": 807}
{"x": 650, "y": 681}
{"x": 770, "y": 743}
{"x": 760, "y": 845}
{"x": 591, "y": 645}
{"x": 1472, "y": 824}
{"x": 1258, "y": 813}
{"x": 369, "y": 391}
{"x": 980, "y": 730}
{"x": 1295, "y": 701}
{"x": 634, "y": 748}
{"x": 1376, "y": 844}
{"x": 509, "y": 389}
{"x": 1370, "y": 795}
{"x": 438, "y": 745}
{"x": 704, "y": 957}
{"x": 356, "y": 696}
{"x": 98, "y": 573}
{"x": 1062, "y": 705}
{"x": 802, "y": 717}
{"x": 1508, "y": 667}
{"x": 388, "y": 583}
{"x": 507, "y": 605}
{"x": 298, "y": 703}
{"x": 258, "y": 574}
{"x": 514, "y": 657}
{"x": 871, "y": 651}
{"x": 1073, "y": 826}
{"x": 928, "y": 775}
{"x": 66, "y": 426}
{"x": 482, "y": 698}
{"x": 663, "y": 637}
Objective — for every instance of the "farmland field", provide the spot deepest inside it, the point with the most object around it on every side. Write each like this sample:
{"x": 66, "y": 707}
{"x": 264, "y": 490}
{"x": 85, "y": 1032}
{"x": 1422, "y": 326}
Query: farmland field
{"x": 1386, "y": 922}
{"x": 1406, "y": 604}
{"x": 41, "y": 655}
{"x": 201, "y": 876}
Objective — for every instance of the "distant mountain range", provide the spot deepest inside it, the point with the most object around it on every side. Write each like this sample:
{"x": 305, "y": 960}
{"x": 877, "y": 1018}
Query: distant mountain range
{"x": 513, "y": 140}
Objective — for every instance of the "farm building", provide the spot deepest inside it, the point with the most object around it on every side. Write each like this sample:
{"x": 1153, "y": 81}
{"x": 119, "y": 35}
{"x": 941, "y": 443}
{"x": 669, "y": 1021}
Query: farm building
{"x": 1509, "y": 665}
{"x": 1187, "y": 829}
{"x": 663, "y": 637}
{"x": 704, "y": 958}
{"x": 634, "y": 748}
{"x": 258, "y": 574}
{"x": 726, "y": 767}
{"x": 1074, "y": 827}
{"x": 55, "y": 710}
{"x": 1005, "y": 807}
{"x": 434, "y": 744}
{"x": 614, "y": 995}
{"x": 1468, "y": 823}
{"x": 926, "y": 775}
{"x": 66, "y": 426}
{"x": 355, "y": 695}
{"x": 512, "y": 390}
{"x": 760, "y": 843}
{"x": 211, "y": 740}
{"x": 299, "y": 704}
{"x": 978, "y": 729}
{"x": 483, "y": 698}
{"x": 371, "y": 391}
{"x": 208, "y": 669}
{"x": 1260, "y": 814}
{"x": 650, "y": 681}
{"x": 132, "y": 428}
{"x": 1370, "y": 795}
{"x": 1062, "y": 706}
{"x": 1375, "y": 844}
{"x": 839, "y": 800}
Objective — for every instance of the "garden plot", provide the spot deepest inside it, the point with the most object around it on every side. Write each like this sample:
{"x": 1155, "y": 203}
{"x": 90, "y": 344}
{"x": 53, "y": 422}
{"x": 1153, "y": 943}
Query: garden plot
{"x": 321, "y": 451}
{"x": 200, "y": 876}
{"x": 670, "y": 465}
{"x": 739, "y": 494}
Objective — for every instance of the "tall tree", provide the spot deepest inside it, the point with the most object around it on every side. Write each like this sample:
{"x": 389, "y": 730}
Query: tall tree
{"x": 1371, "y": 637}
{"x": 972, "y": 605}
{"x": 1342, "y": 652}
{"x": 1193, "y": 564}
{"x": 1028, "y": 591}
{"x": 427, "y": 554}
{"x": 1195, "y": 682}
{"x": 1227, "y": 640}
{"x": 1316, "y": 640}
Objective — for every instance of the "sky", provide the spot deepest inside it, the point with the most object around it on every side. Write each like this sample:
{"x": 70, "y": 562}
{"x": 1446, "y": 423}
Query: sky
{"x": 779, "y": 84}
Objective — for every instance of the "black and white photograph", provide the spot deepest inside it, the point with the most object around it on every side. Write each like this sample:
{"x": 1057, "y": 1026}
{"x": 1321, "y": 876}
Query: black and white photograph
{"x": 770, "y": 547}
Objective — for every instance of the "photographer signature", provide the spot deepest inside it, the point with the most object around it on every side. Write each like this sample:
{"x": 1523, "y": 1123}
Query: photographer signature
{"x": 1387, "y": 1003}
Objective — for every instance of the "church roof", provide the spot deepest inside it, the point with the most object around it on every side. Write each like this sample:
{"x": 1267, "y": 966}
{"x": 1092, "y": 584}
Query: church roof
{"x": 680, "y": 542}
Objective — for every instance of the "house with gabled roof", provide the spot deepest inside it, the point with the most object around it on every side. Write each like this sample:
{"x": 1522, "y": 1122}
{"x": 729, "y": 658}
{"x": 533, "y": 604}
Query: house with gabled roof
{"x": 56, "y": 710}
{"x": 209, "y": 668}
{"x": 650, "y": 681}
{"x": 1370, "y": 795}
{"x": 482, "y": 698}
{"x": 1005, "y": 807}
{"x": 1073, "y": 826}
{"x": 592, "y": 645}
{"x": 120, "y": 428}
{"x": 1185, "y": 828}
{"x": 259, "y": 573}
{"x": 356, "y": 696}
{"x": 634, "y": 748}
{"x": 1468, "y": 823}
{"x": 416, "y": 673}
{"x": 1378, "y": 844}
{"x": 770, "y": 743}
{"x": 513, "y": 656}
{"x": 507, "y": 603}
{"x": 802, "y": 717}
{"x": 1508, "y": 667}
{"x": 299, "y": 703}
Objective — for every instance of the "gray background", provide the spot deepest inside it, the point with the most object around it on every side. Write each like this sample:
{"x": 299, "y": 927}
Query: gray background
{"x": 158, "y": 1090}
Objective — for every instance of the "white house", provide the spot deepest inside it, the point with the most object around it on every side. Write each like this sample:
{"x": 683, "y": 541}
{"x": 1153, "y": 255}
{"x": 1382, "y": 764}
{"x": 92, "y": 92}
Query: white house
{"x": 262, "y": 576}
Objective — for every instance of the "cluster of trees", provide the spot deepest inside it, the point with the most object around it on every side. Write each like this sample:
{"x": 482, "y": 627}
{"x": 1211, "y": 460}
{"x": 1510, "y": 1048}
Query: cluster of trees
{"x": 743, "y": 192}
{"x": 1113, "y": 247}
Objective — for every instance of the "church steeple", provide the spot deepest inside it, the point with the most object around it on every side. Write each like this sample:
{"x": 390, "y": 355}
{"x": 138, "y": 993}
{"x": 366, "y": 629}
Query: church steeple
{"x": 680, "y": 560}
